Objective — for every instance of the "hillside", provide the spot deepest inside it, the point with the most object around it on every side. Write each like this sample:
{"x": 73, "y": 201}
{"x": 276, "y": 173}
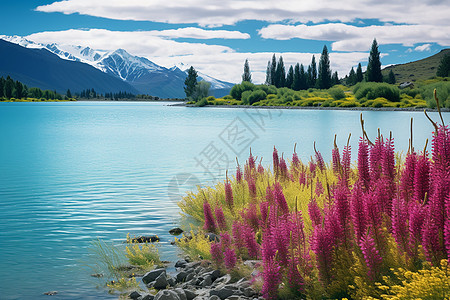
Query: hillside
{"x": 416, "y": 70}
{"x": 43, "y": 69}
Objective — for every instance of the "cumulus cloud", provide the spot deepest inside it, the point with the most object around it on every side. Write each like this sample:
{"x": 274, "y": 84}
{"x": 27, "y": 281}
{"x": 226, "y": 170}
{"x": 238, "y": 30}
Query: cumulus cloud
{"x": 215, "y": 60}
{"x": 424, "y": 47}
{"x": 228, "y": 12}
{"x": 356, "y": 38}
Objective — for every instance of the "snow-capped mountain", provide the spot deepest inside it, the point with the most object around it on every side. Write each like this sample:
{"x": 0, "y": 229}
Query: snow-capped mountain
{"x": 146, "y": 76}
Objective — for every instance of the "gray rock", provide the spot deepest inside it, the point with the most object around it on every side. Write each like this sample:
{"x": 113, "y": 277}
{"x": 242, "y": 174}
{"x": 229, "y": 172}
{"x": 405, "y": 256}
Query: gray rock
{"x": 161, "y": 282}
{"x": 213, "y": 237}
{"x": 181, "y": 293}
{"x": 51, "y": 293}
{"x": 145, "y": 239}
{"x": 181, "y": 263}
{"x": 249, "y": 292}
{"x": 134, "y": 295}
{"x": 181, "y": 276}
{"x": 171, "y": 281}
{"x": 176, "y": 231}
{"x": 146, "y": 297}
{"x": 214, "y": 297}
{"x": 222, "y": 293}
{"x": 193, "y": 264}
{"x": 207, "y": 281}
{"x": 199, "y": 270}
{"x": 152, "y": 275}
{"x": 223, "y": 280}
{"x": 190, "y": 294}
{"x": 167, "y": 295}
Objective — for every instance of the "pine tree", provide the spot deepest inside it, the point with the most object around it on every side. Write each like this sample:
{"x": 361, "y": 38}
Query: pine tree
{"x": 247, "y": 76}
{"x": 303, "y": 78}
{"x": 273, "y": 70}
{"x": 2, "y": 86}
{"x": 443, "y": 69}
{"x": 374, "y": 65}
{"x": 309, "y": 78}
{"x": 359, "y": 73}
{"x": 290, "y": 78}
{"x": 190, "y": 82}
{"x": 268, "y": 77}
{"x": 313, "y": 71}
{"x": 280, "y": 74}
{"x": 296, "y": 79}
{"x": 324, "y": 78}
{"x": 9, "y": 87}
{"x": 391, "y": 77}
{"x": 18, "y": 90}
{"x": 351, "y": 79}
{"x": 69, "y": 94}
{"x": 335, "y": 78}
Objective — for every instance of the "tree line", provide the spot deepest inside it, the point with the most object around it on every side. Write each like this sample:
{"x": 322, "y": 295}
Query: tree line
{"x": 10, "y": 88}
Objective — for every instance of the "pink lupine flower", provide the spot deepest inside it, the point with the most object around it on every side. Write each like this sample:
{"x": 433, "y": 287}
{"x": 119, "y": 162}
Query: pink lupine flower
{"x": 251, "y": 217}
{"x": 314, "y": 213}
{"x": 363, "y": 163}
{"x": 237, "y": 235}
{"x": 229, "y": 195}
{"x": 260, "y": 168}
{"x": 264, "y": 209}
{"x": 320, "y": 161}
{"x": 371, "y": 255}
{"x": 388, "y": 160}
{"x": 341, "y": 194}
{"x": 252, "y": 187}
{"x": 294, "y": 278}
{"x": 322, "y": 247}
{"x": 269, "y": 195}
{"x": 346, "y": 160}
{"x": 335, "y": 156}
{"x": 400, "y": 219}
{"x": 312, "y": 168}
{"x": 238, "y": 174}
{"x": 225, "y": 240}
{"x": 210, "y": 224}
{"x": 251, "y": 161}
{"x": 250, "y": 241}
{"x": 421, "y": 178}
{"x": 357, "y": 211}
{"x": 319, "y": 188}
{"x": 217, "y": 253}
{"x": 416, "y": 220}
{"x": 295, "y": 160}
{"x": 230, "y": 259}
{"x": 271, "y": 279}
{"x": 220, "y": 217}
{"x": 283, "y": 168}
{"x": 279, "y": 198}
{"x": 276, "y": 160}
{"x": 407, "y": 178}
{"x": 447, "y": 237}
{"x": 302, "y": 177}
{"x": 376, "y": 158}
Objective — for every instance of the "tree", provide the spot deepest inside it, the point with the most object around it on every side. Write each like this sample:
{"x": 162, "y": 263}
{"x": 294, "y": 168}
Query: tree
{"x": 351, "y": 79}
{"x": 280, "y": 74}
{"x": 201, "y": 90}
{"x": 313, "y": 71}
{"x": 335, "y": 78}
{"x": 324, "y": 78}
{"x": 190, "y": 82}
{"x": 391, "y": 77}
{"x": 373, "y": 72}
{"x": 69, "y": 94}
{"x": 359, "y": 74}
{"x": 9, "y": 87}
{"x": 2, "y": 86}
{"x": 296, "y": 79}
{"x": 303, "y": 78}
{"x": 268, "y": 77}
{"x": 273, "y": 70}
{"x": 290, "y": 77}
{"x": 310, "y": 82}
{"x": 18, "y": 90}
{"x": 443, "y": 69}
{"x": 247, "y": 76}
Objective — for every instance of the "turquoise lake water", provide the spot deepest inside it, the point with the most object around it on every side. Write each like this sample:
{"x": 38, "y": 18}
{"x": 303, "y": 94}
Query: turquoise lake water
{"x": 74, "y": 172}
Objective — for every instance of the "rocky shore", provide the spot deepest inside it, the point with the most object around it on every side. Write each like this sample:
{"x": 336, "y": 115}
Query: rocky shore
{"x": 196, "y": 280}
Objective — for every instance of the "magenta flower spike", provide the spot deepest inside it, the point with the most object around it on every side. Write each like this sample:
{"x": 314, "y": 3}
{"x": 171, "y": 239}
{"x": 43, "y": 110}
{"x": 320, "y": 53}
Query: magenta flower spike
{"x": 388, "y": 160}
{"x": 238, "y": 174}
{"x": 251, "y": 161}
{"x": 357, "y": 211}
{"x": 346, "y": 161}
{"x": 220, "y": 217}
{"x": 371, "y": 255}
{"x": 314, "y": 213}
{"x": 229, "y": 195}
{"x": 271, "y": 279}
{"x": 421, "y": 178}
{"x": 341, "y": 203}
{"x": 210, "y": 224}
{"x": 319, "y": 188}
{"x": 363, "y": 163}
{"x": 400, "y": 218}
{"x": 217, "y": 253}
{"x": 336, "y": 160}
{"x": 279, "y": 198}
{"x": 407, "y": 177}
{"x": 276, "y": 160}
{"x": 377, "y": 153}
{"x": 230, "y": 259}
{"x": 416, "y": 220}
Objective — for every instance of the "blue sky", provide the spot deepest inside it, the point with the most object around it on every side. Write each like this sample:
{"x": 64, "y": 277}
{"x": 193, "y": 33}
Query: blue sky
{"x": 217, "y": 36}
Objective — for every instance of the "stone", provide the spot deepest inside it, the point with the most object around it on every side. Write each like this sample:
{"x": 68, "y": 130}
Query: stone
{"x": 207, "y": 281}
{"x": 249, "y": 292}
{"x": 190, "y": 294}
{"x": 224, "y": 279}
{"x": 152, "y": 275}
{"x": 145, "y": 239}
{"x": 181, "y": 276}
{"x": 167, "y": 295}
{"x": 181, "y": 293}
{"x": 222, "y": 293}
{"x": 134, "y": 295}
{"x": 214, "y": 297}
{"x": 51, "y": 293}
{"x": 193, "y": 264}
{"x": 180, "y": 263}
{"x": 171, "y": 281}
{"x": 146, "y": 297}
{"x": 176, "y": 231}
{"x": 161, "y": 282}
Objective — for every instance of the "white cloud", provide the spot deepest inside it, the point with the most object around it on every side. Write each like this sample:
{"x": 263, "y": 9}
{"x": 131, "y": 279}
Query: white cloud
{"x": 424, "y": 47}
{"x": 355, "y": 38}
{"x": 218, "y": 61}
{"x": 228, "y": 12}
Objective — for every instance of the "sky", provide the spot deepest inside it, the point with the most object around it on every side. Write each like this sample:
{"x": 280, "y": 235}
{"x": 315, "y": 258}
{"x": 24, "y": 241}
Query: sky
{"x": 216, "y": 37}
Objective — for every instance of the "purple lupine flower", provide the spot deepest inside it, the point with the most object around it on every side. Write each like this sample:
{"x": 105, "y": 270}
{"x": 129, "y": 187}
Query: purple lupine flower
{"x": 229, "y": 258}
{"x": 276, "y": 160}
{"x": 271, "y": 279}
{"x": 217, "y": 253}
{"x": 264, "y": 209}
{"x": 421, "y": 178}
{"x": 210, "y": 224}
{"x": 279, "y": 198}
{"x": 238, "y": 174}
{"x": 250, "y": 216}
{"x": 251, "y": 161}
{"x": 225, "y": 240}
{"x": 270, "y": 196}
{"x": 371, "y": 255}
{"x": 314, "y": 213}
{"x": 377, "y": 152}
{"x": 252, "y": 187}
{"x": 416, "y": 220}
{"x": 322, "y": 246}
{"x": 400, "y": 218}
{"x": 220, "y": 217}
{"x": 250, "y": 241}
{"x": 319, "y": 188}
{"x": 302, "y": 177}
{"x": 295, "y": 160}
{"x": 229, "y": 195}
{"x": 312, "y": 168}
{"x": 283, "y": 168}
{"x": 346, "y": 160}
{"x": 341, "y": 194}
{"x": 357, "y": 211}
{"x": 363, "y": 163}
{"x": 237, "y": 235}
{"x": 336, "y": 159}
{"x": 388, "y": 160}
{"x": 407, "y": 178}
{"x": 280, "y": 237}
{"x": 320, "y": 161}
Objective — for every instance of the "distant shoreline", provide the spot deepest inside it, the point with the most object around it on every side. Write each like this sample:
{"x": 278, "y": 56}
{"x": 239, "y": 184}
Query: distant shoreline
{"x": 410, "y": 109}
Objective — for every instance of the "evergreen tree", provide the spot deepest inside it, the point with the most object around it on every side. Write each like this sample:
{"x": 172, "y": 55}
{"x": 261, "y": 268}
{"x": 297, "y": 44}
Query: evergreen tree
{"x": 9, "y": 87}
{"x": 374, "y": 65}
{"x": 268, "y": 77}
{"x": 359, "y": 74}
{"x": 69, "y": 94}
{"x": 247, "y": 76}
{"x": 273, "y": 70}
{"x": 443, "y": 69}
{"x": 18, "y": 90}
{"x": 335, "y": 78}
{"x": 303, "y": 78}
{"x": 190, "y": 82}
{"x": 280, "y": 74}
{"x": 290, "y": 77}
{"x": 310, "y": 82}
{"x": 296, "y": 79}
{"x": 2, "y": 86}
{"x": 351, "y": 79}
{"x": 313, "y": 71}
{"x": 324, "y": 78}
{"x": 391, "y": 77}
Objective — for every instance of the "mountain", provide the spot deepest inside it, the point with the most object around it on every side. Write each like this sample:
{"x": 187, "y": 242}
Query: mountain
{"x": 144, "y": 75}
{"x": 38, "y": 67}
{"x": 416, "y": 70}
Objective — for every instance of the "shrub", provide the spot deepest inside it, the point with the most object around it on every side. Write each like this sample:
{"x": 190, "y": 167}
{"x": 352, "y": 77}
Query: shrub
{"x": 442, "y": 91}
{"x": 373, "y": 90}
{"x": 255, "y": 96}
{"x": 336, "y": 93}
{"x": 238, "y": 89}
{"x": 201, "y": 103}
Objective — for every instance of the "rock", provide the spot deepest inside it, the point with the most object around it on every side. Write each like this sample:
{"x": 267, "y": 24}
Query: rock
{"x": 193, "y": 264}
{"x": 171, "y": 281}
{"x": 51, "y": 293}
{"x": 181, "y": 263}
{"x": 167, "y": 295}
{"x": 214, "y": 274}
{"x": 147, "y": 297}
{"x": 181, "y": 293}
{"x": 189, "y": 277}
{"x": 152, "y": 275}
{"x": 214, "y": 297}
{"x": 134, "y": 295}
{"x": 145, "y": 239}
{"x": 190, "y": 294}
{"x": 176, "y": 231}
{"x": 97, "y": 275}
{"x": 161, "y": 282}
{"x": 181, "y": 276}
{"x": 213, "y": 237}
{"x": 222, "y": 293}
{"x": 223, "y": 280}
{"x": 207, "y": 281}
{"x": 249, "y": 292}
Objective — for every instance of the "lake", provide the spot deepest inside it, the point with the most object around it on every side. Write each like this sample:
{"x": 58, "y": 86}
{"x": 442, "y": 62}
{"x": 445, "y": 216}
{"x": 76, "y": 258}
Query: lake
{"x": 73, "y": 172}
